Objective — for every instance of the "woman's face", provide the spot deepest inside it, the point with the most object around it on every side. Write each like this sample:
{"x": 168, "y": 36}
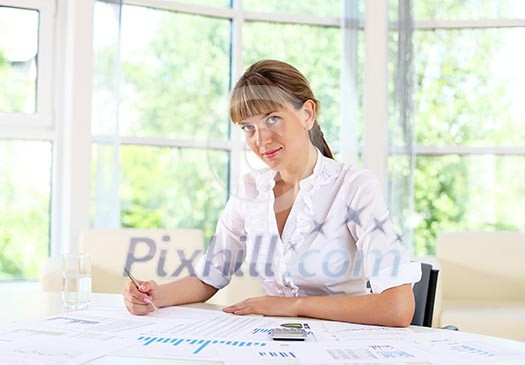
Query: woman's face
{"x": 281, "y": 137}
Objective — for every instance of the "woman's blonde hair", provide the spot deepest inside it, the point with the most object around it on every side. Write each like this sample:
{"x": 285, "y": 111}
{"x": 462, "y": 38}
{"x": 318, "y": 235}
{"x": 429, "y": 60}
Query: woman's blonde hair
{"x": 269, "y": 84}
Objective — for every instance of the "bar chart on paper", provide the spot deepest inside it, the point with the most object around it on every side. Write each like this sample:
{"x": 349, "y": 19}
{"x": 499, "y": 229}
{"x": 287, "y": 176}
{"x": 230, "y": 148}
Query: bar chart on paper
{"x": 195, "y": 346}
{"x": 368, "y": 353}
{"x": 266, "y": 331}
{"x": 277, "y": 355}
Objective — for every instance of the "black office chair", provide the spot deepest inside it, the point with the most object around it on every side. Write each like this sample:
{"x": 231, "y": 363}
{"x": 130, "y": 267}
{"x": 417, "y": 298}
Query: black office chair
{"x": 425, "y": 296}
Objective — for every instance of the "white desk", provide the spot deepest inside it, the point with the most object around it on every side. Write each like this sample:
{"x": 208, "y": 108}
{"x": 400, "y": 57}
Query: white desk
{"x": 33, "y": 304}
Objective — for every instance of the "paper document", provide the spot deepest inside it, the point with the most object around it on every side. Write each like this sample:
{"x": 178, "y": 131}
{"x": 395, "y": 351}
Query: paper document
{"x": 331, "y": 331}
{"x": 189, "y": 334}
{"x": 34, "y": 344}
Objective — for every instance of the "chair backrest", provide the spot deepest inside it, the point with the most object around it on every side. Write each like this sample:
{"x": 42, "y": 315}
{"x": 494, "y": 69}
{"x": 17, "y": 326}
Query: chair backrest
{"x": 160, "y": 255}
{"x": 149, "y": 254}
{"x": 482, "y": 265}
{"x": 425, "y": 295}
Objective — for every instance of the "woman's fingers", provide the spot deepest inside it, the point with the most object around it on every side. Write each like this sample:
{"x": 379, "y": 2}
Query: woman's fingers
{"x": 139, "y": 309}
{"x": 137, "y": 302}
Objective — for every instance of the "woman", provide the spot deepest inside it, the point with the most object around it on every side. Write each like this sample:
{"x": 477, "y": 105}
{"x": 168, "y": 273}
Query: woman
{"x": 315, "y": 231}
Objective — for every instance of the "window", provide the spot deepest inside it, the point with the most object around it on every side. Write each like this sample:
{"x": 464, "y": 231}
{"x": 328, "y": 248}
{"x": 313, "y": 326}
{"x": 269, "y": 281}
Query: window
{"x": 469, "y": 113}
{"x": 26, "y": 137}
{"x": 18, "y": 66}
{"x": 164, "y": 152}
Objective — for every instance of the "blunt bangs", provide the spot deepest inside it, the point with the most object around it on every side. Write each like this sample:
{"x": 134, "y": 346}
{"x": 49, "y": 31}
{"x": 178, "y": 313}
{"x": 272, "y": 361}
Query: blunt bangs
{"x": 249, "y": 100}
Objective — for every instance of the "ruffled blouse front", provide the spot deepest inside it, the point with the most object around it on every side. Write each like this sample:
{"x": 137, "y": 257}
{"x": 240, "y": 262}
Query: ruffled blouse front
{"x": 337, "y": 236}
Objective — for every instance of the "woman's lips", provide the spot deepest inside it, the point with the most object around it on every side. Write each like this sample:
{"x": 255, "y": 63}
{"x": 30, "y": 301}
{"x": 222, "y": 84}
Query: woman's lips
{"x": 272, "y": 154}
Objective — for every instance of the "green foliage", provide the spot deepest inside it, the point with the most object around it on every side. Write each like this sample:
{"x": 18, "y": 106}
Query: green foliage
{"x": 175, "y": 83}
{"x": 439, "y": 199}
{"x": 463, "y": 96}
{"x": 172, "y": 188}
{"x": 315, "y": 51}
{"x": 24, "y": 209}
{"x": 18, "y": 91}
{"x": 458, "y": 102}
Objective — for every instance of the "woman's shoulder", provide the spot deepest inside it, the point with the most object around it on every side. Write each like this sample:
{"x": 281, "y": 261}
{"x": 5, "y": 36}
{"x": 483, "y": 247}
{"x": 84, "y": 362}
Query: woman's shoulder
{"x": 349, "y": 172}
{"x": 257, "y": 176}
{"x": 358, "y": 178}
{"x": 251, "y": 183}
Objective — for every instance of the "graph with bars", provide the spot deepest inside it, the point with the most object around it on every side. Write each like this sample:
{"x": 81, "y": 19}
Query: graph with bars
{"x": 198, "y": 343}
{"x": 262, "y": 330}
{"x": 277, "y": 354}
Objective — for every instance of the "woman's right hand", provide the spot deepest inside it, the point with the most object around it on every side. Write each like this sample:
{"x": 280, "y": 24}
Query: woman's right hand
{"x": 138, "y": 300}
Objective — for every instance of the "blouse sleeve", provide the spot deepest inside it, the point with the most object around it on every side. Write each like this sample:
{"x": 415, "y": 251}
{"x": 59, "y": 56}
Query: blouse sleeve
{"x": 227, "y": 248}
{"x": 383, "y": 259}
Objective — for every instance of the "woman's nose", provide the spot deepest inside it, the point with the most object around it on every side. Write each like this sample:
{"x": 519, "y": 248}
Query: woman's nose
{"x": 262, "y": 136}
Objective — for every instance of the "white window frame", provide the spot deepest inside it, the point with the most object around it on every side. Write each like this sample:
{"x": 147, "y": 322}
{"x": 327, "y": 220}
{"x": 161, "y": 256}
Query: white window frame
{"x": 442, "y": 150}
{"x": 238, "y": 16}
{"x": 38, "y": 125}
{"x": 376, "y": 149}
{"x": 63, "y": 114}
{"x": 71, "y": 190}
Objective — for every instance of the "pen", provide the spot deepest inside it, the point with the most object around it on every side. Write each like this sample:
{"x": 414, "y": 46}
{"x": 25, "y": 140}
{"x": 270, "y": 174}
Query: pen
{"x": 136, "y": 283}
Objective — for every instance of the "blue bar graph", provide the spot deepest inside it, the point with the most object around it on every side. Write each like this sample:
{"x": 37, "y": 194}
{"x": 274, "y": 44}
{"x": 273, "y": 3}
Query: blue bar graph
{"x": 199, "y": 343}
{"x": 274, "y": 354}
{"x": 389, "y": 352}
{"x": 261, "y": 330}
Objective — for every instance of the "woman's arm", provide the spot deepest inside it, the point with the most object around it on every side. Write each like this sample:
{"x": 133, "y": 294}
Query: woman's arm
{"x": 393, "y": 307}
{"x": 183, "y": 291}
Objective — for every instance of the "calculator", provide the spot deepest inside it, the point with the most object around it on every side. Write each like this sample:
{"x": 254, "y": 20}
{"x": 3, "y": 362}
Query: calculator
{"x": 288, "y": 334}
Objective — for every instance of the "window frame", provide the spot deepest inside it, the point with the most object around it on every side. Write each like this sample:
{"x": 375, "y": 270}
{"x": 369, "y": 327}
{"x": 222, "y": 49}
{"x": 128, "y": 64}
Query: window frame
{"x": 421, "y": 150}
{"x": 38, "y": 125}
{"x": 238, "y": 17}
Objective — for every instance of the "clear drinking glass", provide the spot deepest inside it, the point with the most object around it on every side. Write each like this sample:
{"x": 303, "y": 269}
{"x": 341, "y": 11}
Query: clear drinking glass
{"x": 76, "y": 280}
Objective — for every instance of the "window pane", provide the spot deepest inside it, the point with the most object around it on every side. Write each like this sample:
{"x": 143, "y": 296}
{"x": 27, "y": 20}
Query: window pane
{"x": 106, "y": 78}
{"x": 315, "y": 51}
{"x": 470, "y": 87}
{"x": 214, "y": 3}
{"x": 468, "y": 9}
{"x": 165, "y": 187}
{"x": 314, "y": 7}
{"x": 454, "y": 193}
{"x": 175, "y": 75}
{"x": 25, "y": 178}
{"x": 18, "y": 54}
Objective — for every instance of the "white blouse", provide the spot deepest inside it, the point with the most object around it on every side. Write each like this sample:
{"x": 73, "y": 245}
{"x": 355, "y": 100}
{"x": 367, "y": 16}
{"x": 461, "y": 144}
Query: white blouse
{"x": 338, "y": 236}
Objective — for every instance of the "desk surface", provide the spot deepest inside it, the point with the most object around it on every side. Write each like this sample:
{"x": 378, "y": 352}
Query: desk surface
{"x": 32, "y": 304}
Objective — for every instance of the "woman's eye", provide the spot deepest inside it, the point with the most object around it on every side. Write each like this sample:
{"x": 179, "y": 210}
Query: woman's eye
{"x": 273, "y": 119}
{"x": 247, "y": 128}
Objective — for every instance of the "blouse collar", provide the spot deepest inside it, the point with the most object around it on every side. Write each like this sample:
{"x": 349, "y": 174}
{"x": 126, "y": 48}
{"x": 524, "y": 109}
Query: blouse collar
{"x": 325, "y": 170}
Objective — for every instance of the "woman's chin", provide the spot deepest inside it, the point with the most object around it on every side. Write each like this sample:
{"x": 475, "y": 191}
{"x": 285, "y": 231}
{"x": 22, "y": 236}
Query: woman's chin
{"x": 274, "y": 165}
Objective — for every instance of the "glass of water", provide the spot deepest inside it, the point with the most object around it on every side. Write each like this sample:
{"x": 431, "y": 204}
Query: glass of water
{"x": 76, "y": 280}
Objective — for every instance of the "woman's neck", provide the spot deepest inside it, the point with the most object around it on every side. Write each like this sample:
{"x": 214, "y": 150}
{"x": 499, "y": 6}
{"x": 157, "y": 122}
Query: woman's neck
{"x": 302, "y": 168}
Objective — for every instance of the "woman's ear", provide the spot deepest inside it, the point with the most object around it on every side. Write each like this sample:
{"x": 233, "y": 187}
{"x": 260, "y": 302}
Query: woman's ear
{"x": 309, "y": 113}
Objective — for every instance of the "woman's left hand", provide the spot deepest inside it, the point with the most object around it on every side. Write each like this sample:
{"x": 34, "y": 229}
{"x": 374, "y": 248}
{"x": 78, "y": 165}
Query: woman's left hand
{"x": 267, "y": 305}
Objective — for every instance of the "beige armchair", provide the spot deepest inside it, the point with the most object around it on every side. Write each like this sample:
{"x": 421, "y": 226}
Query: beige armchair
{"x": 482, "y": 282}
{"x": 155, "y": 254}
